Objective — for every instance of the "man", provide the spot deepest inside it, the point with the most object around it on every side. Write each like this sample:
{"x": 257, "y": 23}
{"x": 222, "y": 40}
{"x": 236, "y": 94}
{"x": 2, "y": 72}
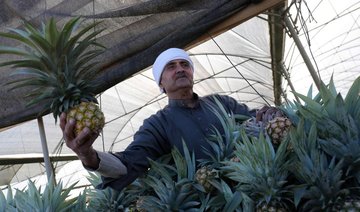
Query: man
{"x": 187, "y": 118}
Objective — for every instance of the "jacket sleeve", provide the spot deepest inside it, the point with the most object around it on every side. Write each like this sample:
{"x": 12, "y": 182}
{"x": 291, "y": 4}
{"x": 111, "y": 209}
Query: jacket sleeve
{"x": 149, "y": 143}
{"x": 236, "y": 107}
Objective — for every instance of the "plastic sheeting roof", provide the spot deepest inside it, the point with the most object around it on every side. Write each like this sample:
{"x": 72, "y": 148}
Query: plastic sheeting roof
{"x": 333, "y": 32}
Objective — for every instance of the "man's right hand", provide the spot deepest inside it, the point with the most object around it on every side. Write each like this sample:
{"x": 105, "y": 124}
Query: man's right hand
{"x": 268, "y": 111}
{"x": 81, "y": 144}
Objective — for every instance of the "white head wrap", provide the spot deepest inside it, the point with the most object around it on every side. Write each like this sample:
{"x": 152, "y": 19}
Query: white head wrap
{"x": 164, "y": 58}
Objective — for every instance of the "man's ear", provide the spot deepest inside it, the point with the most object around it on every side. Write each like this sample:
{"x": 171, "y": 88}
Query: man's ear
{"x": 162, "y": 87}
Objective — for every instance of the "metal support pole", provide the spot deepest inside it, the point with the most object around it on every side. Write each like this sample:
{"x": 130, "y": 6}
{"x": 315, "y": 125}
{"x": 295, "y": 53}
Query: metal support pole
{"x": 302, "y": 51}
{"x": 48, "y": 166}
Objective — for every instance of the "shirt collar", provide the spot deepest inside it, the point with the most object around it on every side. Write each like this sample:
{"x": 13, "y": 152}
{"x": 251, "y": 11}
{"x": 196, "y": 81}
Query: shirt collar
{"x": 184, "y": 102}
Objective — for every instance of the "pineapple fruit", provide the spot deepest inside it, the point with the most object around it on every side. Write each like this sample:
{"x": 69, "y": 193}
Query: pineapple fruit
{"x": 87, "y": 114}
{"x": 56, "y": 65}
{"x": 271, "y": 121}
{"x": 278, "y": 128}
{"x": 204, "y": 175}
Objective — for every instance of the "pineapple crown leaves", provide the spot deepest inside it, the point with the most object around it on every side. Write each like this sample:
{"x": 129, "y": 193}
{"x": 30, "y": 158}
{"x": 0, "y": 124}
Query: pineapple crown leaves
{"x": 181, "y": 166}
{"x": 224, "y": 200}
{"x": 232, "y": 200}
{"x": 329, "y": 107}
{"x": 80, "y": 204}
{"x": 228, "y": 121}
{"x": 349, "y": 153}
{"x": 170, "y": 195}
{"x": 108, "y": 199}
{"x": 51, "y": 199}
{"x": 346, "y": 147}
{"x": 185, "y": 165}
{"x": 352, "y": 101}
{"x": 54, "y": 62}
{"x": 312, "y": 107}
{"x": 220, "y": 150}
{"x": 174, "y": 190}
{"x": 261, "y": 172}
{"x": 325, "y": 104}
{"x": 94, "y": 178}
{"x": 222, "y": 146}
{"x": 7, "y": 203}
{"x": 321, "y": 180}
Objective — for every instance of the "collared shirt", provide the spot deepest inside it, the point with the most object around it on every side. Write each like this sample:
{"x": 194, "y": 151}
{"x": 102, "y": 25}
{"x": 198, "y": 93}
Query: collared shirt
{"x": 168, "y": 128}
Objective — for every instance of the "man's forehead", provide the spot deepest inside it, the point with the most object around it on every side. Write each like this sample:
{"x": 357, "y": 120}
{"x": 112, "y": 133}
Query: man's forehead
{"x": 177, "y": 61}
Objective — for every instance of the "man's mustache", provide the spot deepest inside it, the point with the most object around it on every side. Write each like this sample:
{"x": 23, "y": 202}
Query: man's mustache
{"x": 180, "y": 74}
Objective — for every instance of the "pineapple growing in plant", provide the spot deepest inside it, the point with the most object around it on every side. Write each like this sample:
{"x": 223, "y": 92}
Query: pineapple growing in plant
{"x": 204, "y": 176}
{"x": 58, "y": 68}
{"x": 222, "y": 148}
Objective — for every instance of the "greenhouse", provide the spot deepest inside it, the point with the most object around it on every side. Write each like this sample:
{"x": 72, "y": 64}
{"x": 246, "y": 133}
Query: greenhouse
{"x": 300, "y": 57}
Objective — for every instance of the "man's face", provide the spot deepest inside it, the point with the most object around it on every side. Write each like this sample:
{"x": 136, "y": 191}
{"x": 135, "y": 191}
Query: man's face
{"x": 177, "y": 74}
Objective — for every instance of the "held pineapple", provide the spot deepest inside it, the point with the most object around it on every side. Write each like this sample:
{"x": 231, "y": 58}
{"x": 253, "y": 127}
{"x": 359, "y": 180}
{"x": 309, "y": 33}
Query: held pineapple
{"x": 278, "y": 128}
{"x": 57, "y": 65}
{"x": 272, "y": 121}
{"x": 87, "y": 114}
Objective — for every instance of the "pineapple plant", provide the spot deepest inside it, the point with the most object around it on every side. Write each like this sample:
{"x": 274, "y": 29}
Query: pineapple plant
{"x": 51, "y": 198}
{"x": 172, "y": 186}
{"x": 321, "y": 178}
{"x": 57, "y": 67}
{"x": 7, "y": 203}
{"x": 106, "y": 199}
{"x": 261, "y": 173}
{"x": 222, "y": 148}
{"x": 328, "y": 129}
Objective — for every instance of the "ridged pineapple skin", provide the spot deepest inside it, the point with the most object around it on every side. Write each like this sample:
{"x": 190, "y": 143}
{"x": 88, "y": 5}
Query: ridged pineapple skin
{"x": 87, "y": 114}
{"x": 278, "y": 128}
{"x": 203, "y": 175}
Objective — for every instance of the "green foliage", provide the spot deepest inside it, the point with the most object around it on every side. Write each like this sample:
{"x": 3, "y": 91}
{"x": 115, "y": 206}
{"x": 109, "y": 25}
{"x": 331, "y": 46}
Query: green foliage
{"x": 327, "y": 148}
{"x": 261, "y": 173}
{"x": 50, "y": 198}
{"x": 315, "y": 168}
{"x": 7, "y": 203}
{"x": 108, "y": 200}
{"x": 320, "y": 176}
{"x": 174, "y": 190}
{"x": 55, "y": 64}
